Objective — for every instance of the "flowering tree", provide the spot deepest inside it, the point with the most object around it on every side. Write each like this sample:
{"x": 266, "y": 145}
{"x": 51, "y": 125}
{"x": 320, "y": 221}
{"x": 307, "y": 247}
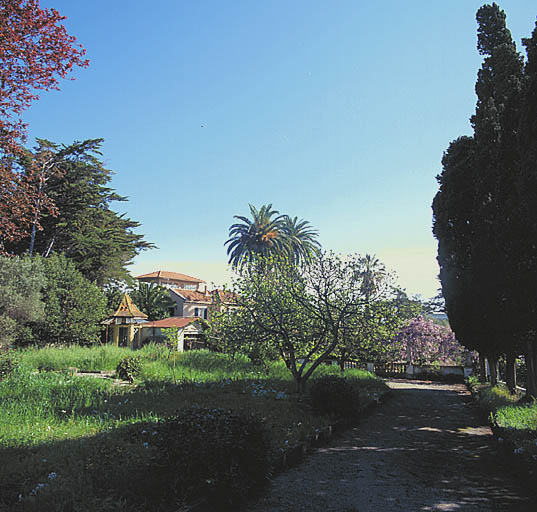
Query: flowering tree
{"x": 300, "y": 311}
{"x": 423, "y": 342}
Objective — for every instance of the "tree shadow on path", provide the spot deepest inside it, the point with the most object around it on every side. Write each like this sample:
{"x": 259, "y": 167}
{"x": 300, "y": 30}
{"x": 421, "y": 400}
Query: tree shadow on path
{"x": 425, "y": 449}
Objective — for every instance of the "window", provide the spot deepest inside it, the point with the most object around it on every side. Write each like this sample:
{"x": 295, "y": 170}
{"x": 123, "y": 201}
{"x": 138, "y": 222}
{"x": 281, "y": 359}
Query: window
{"x": 205, "y": 314}
{"x": 196, "y": 311}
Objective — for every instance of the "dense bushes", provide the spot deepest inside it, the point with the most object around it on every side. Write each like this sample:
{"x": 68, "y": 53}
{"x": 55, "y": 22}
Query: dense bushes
{"x": 129, "y": 368}
{"x": 8, "y": 364}
{"x": 219, "y": 454}
{"x": 334, "y": 396}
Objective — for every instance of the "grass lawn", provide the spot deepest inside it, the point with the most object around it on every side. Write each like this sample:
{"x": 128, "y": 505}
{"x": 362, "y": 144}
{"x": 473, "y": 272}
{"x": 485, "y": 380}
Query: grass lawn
{"x": 515, "y": 420}
{"x": 67, "y": 440}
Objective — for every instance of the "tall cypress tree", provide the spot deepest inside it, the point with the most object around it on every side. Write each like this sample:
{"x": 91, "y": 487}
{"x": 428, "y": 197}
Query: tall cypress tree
{"x": 495, "y": 125}
{"x": 526, "y": 263}
{"x": 454, "y": 227}
{"x": 476, "y": 283}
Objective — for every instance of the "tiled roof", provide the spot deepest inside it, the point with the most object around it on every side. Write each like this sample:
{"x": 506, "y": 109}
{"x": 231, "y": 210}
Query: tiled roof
{"x": 175, "y": 276}
{"x": 174, "y": 321}
{"x": 193, "y": 295}
{"x": 127, "y": 308}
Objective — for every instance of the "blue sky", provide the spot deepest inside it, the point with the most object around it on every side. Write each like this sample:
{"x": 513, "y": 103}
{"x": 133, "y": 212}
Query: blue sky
{"x": 336, "y": 112}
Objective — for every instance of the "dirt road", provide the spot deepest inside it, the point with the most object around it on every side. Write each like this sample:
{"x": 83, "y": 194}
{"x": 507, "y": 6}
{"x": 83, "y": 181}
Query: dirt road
{"x": 425, "y": 449}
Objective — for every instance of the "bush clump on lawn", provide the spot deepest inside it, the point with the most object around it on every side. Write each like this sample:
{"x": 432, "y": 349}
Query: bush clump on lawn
{"x": 8, "y": 364}
{"x": 334, "y": 396}
{"x": 218, "y": 454}
{"x": 129, "y": 368}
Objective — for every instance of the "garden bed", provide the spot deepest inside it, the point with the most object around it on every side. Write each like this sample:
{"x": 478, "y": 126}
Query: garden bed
{"x": 87, "y": 433}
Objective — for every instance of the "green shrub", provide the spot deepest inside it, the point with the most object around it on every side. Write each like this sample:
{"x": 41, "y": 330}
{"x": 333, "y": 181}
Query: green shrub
{"x": 129, "y": 368}
{"x": 8, "y": 364}
{"x": 216, "y": 453}
{"x": 491, "y": 398}
{"x": 334, "y": 396}
{"x": 472, "y": 381}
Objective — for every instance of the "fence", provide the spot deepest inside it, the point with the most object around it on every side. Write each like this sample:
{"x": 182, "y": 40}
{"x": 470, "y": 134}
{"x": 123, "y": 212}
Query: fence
{"x": 390, "y": 368}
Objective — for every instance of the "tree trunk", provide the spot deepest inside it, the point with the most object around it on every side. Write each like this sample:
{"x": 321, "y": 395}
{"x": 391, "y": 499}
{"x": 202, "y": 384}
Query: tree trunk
{"x": 36, "y": 217}
{"x": 510, "y": 372}
{"x": 493, "y": 366}
{"x": 531, "y": 366}
{"x": 49, "y": 248}
{"x": 300, "y": 384}
{"x": 342, "y": 360}
{"x": 482, "y": 369}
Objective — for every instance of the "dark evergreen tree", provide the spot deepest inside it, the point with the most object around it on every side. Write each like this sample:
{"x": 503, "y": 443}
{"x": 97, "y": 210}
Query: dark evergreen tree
{"x": 454, "y": 225}
{"x": 526, "y": 263}
{"x": 83, "y": 226}
{"x": 496, "y": 121}
{"x": 476, "y": 216}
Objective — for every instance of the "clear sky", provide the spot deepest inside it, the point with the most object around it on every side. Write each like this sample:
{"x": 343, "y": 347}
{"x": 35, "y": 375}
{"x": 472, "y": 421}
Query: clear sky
{"x": 337, "y": 112}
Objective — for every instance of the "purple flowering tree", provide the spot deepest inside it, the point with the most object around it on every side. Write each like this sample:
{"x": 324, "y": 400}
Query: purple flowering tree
{"x": 423, "y": 342}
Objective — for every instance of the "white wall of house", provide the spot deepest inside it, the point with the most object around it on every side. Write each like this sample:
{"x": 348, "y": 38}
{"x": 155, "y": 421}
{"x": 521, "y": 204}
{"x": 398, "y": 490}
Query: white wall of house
{"x": 189, "y": 309}
{"x": 156, "y": 334}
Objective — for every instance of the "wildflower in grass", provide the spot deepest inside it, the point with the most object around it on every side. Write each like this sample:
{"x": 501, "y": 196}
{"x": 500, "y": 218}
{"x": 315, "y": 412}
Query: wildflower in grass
{"x": 146, "y": 445}
{"x": 37, "y": 488}
{"x": 52, "y": 475}
{"x": 518, "y": 451}
{"x": 143, "y": 432}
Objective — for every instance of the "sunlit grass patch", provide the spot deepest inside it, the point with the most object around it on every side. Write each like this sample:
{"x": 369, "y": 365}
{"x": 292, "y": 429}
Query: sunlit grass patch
{"x": 54, "y": 422}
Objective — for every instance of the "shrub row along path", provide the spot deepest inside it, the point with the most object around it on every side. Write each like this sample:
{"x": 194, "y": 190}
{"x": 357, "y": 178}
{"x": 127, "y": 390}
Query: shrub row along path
{"x": 426, "y": 448}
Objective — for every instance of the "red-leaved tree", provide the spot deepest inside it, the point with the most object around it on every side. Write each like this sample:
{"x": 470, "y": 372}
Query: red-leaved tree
{"x": 35, "y": 52}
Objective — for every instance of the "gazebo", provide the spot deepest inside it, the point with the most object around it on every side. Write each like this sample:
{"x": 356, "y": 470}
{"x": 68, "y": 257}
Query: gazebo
{"x": 126, "y": 324}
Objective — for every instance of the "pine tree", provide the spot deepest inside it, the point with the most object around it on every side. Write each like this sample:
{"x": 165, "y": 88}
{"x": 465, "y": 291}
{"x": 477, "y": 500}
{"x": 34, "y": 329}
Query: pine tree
{"x": 83, "y": 225}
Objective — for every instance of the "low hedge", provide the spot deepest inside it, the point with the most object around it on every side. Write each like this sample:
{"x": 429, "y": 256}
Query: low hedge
{"x": 217, "y": 454}
{"x": 334, "y": 396}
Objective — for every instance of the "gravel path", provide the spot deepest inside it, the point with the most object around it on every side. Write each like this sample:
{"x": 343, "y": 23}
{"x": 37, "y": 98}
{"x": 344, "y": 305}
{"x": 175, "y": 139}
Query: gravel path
{"x": 425, "y": 449}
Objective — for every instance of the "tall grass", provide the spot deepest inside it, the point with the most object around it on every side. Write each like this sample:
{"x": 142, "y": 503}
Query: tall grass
{"x": 54, "y": 422}
{"x": 515, "y": 419}
{"x": 104, "y": 357}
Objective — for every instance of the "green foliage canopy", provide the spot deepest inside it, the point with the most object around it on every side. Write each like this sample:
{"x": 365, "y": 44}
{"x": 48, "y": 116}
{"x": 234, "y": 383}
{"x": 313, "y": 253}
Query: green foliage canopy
{"x": 21, "y": 282}
{"x": 74, "y": 306}
{"x": 82, "y": 225}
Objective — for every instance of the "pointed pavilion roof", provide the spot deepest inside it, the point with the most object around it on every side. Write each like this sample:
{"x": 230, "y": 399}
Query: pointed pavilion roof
{"x": 127, "y": 308}
{"x": 172, "y": 276}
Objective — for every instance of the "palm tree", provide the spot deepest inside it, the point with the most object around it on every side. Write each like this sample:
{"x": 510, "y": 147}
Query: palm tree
{"x": 261, "y": 235}
{"x": 153, "y": 300}
{"x": 372, "y": 275}
{"x": 301, "y": 239}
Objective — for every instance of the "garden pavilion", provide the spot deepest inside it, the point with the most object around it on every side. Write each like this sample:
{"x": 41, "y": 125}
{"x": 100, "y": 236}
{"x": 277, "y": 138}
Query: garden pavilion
{"x": 126, "y": 324}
